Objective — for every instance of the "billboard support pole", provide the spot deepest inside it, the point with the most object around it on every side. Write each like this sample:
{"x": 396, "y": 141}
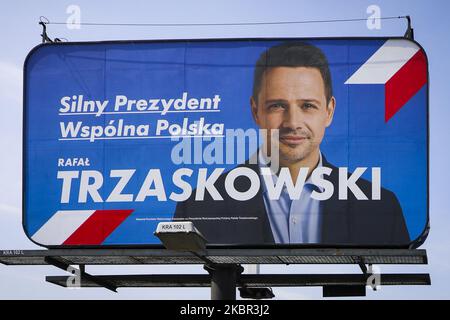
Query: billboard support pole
{"x": 223, "y": 280}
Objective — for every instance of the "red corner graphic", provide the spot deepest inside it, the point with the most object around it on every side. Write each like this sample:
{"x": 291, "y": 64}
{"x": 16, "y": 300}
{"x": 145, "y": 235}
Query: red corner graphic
{"x": 97, "y": 227}
{"x": 404, "y": 84}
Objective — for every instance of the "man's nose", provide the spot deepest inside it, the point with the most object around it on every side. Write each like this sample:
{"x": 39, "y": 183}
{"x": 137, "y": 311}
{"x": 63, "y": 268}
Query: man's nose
{"x": 292, "y": 118}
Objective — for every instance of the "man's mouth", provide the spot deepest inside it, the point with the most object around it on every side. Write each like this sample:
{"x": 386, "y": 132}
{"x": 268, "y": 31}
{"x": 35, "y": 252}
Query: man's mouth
{"x": 292, "y": 140}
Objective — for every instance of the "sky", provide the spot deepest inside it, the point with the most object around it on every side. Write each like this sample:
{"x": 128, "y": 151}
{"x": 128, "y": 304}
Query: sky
{"x": 20, "y": 33}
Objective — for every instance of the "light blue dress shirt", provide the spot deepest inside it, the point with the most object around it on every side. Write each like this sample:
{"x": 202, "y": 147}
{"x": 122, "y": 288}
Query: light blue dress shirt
{"x": 293, "y": 221}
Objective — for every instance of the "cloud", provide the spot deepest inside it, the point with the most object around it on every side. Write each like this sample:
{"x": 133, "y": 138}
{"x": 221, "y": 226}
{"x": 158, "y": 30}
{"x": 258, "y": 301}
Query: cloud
{"x": 10, "y": 138}
{"x": 10, "y": 84}
{"x": 9, "y": 209}
{"x": 11, "y": 230}
{"x": 9, "y": 212}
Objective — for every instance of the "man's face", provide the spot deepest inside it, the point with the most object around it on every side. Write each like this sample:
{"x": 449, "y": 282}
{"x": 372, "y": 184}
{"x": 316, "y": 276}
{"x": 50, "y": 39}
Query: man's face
{"x": 292, "y": 99}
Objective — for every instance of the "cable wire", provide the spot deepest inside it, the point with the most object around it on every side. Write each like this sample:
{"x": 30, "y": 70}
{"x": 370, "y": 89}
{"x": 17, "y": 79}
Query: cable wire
{"x": 47, "y": 21}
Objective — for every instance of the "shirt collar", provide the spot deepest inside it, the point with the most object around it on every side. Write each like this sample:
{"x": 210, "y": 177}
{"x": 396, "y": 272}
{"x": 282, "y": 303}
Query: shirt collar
{"x": 263, "y": 162}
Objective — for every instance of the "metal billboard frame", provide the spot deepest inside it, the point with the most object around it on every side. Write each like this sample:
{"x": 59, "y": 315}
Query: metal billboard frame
{"x": 225, "y": 270}
{"x": 413, "y": 244}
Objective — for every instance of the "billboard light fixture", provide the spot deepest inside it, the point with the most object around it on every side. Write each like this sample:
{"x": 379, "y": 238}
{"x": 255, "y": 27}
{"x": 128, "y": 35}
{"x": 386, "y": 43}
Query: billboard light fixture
{"x": 181, "y": 236}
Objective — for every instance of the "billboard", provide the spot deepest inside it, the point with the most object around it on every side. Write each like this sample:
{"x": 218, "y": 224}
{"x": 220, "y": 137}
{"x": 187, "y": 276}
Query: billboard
{"x": 258, "y": 142}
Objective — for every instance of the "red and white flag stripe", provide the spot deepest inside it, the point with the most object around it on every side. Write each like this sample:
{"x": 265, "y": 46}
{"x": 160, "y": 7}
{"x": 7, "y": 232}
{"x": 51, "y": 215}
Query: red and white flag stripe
{"x": 398, "y": 64}
{"x": 384, "y": 63}
{"x": 80, "y": 227}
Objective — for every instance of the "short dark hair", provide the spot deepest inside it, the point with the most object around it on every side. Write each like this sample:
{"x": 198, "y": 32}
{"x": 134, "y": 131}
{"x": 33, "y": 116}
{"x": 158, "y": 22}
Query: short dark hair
{"x": 293, "y": 54}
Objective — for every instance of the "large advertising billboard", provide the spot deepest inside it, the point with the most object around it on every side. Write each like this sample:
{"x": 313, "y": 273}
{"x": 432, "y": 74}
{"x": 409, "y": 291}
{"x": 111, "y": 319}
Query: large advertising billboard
{"x": 258, "y": 142}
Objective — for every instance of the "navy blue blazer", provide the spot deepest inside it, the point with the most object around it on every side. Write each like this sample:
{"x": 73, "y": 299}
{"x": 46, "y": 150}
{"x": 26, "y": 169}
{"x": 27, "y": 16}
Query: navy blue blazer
{"x": 348, "y": 222}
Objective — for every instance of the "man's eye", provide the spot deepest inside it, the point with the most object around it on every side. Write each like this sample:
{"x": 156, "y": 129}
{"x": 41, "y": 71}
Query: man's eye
{"x": 309, "y": 106}
{"x": 276, "y": 106}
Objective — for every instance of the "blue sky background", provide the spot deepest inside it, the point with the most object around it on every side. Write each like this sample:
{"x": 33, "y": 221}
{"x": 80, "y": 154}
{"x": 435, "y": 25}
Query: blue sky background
{"x": 21, "y": 33}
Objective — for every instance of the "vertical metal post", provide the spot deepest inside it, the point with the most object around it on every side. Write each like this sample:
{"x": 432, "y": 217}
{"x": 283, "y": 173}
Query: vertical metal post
{"x": 409, "y": 34}
{"x": 44, "y": 32}
{"x": 223, "y": 280}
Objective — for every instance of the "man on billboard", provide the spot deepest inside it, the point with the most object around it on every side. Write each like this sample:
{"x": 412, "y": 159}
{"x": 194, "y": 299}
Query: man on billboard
{"x": 292, "y": 93}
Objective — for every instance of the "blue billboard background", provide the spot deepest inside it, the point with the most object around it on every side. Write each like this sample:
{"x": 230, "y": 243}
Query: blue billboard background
{"x": 358, "y": 137}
